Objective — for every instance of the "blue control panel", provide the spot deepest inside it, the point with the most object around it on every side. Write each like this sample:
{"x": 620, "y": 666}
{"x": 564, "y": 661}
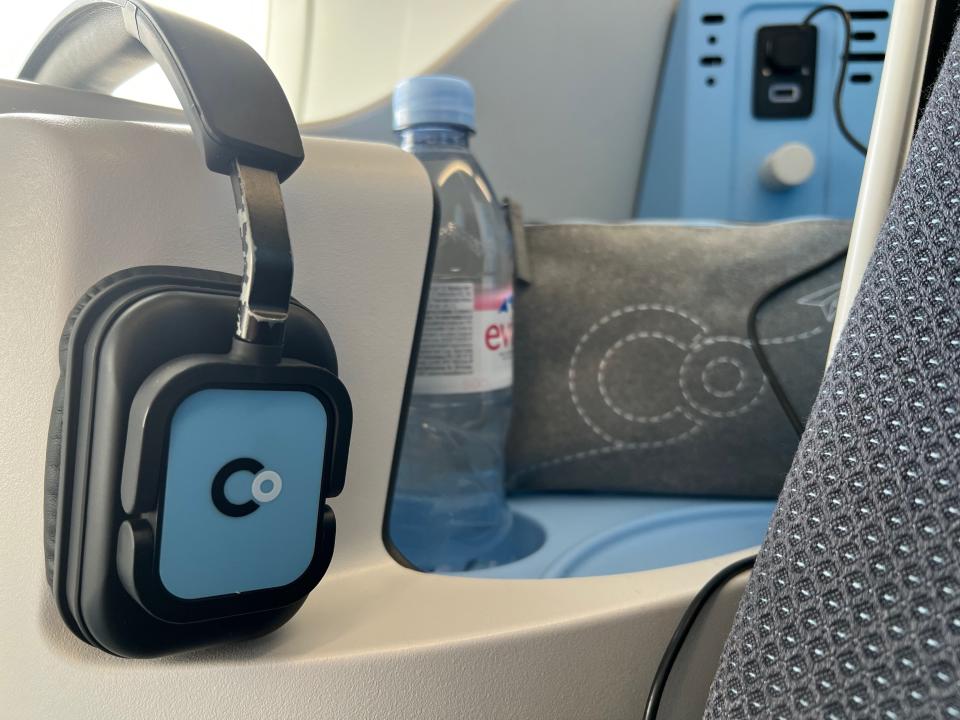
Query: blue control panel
{"x": 242, "y": 496}
{"x": 710, "y": 153}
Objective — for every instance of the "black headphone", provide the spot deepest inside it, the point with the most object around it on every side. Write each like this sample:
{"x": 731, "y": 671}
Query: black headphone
{"x": 188, "y": 463}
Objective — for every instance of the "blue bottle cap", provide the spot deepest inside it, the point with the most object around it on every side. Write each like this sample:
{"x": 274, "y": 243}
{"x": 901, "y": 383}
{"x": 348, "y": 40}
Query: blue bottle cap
{"x": 433, "y": 100}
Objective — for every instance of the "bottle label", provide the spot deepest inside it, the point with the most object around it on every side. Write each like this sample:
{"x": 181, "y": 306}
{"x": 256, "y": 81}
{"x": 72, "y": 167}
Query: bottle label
{"x": 467, "y": 340}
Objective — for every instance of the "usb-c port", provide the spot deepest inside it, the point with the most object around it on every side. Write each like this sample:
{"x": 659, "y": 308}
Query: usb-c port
{"x": 784, "y": 93}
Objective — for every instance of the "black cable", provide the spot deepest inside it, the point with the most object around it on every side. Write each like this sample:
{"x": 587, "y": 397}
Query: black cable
{"x": 717, "y": 582}
{"x": 683, "y": 629}
{"x": 838, "y": 91}
{"x": 778, "y": 390}
{"x": 755, "y": 344}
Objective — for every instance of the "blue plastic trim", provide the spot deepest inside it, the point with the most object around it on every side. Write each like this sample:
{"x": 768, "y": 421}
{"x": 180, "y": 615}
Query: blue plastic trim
{"x": 585, "y": 535}
{"x": 670, "y": 538}
{"x": 206, "y": 553}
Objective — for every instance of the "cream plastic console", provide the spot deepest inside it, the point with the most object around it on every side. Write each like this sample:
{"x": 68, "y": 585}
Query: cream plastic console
{"x": 82, "y": 198}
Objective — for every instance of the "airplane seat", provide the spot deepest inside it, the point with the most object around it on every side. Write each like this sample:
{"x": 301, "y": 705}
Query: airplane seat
{"x": 89, "y": 196}
{"x": 853, "y": 609}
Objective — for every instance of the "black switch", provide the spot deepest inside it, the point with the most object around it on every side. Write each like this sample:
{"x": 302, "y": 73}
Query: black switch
{"x": 788, "y": 52}
{"x": 784, "y": 70}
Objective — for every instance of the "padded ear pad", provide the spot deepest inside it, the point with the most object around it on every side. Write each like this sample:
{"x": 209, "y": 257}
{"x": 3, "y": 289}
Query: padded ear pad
{"x": 52, "y": 476}
{"x": 51, "y": 479}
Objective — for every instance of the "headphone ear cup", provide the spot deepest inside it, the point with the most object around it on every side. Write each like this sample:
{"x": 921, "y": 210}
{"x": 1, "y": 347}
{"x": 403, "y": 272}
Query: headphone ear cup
{"x": 129, "y": 325}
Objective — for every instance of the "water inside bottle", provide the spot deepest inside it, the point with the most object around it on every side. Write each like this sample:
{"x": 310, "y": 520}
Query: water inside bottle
{"x": 449, "y": 510}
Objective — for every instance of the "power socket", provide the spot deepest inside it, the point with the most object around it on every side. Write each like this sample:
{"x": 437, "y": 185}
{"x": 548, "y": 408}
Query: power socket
{"x": 784, "y": 71}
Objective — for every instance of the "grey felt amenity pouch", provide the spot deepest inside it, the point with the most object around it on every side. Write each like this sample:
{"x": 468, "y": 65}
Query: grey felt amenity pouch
{"x": 634, "y": 365}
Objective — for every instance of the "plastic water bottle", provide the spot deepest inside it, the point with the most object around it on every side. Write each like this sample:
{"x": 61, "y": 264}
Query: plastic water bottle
{"x": 449, "y": 511}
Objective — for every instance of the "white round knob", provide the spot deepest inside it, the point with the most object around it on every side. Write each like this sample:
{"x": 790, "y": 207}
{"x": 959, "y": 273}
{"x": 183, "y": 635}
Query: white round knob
{"x": 789, "y": 165}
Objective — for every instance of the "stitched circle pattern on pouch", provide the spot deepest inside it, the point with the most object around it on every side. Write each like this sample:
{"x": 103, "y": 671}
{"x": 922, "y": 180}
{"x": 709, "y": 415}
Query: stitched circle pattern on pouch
{"x": 629, "y": 403}
{"x": 710, "y": 353}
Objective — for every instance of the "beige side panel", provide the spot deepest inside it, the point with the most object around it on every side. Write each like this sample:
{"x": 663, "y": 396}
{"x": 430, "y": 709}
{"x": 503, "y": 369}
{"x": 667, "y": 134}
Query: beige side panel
{"x": 83, "y": 198}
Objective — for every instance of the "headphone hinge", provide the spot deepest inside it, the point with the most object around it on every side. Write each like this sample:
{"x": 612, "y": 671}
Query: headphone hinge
{"x": 267, "y": 258}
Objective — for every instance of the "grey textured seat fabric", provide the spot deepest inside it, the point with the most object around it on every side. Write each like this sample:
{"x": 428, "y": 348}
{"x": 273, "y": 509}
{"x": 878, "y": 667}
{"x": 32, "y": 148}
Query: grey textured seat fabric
{"x": 853, "y": 609}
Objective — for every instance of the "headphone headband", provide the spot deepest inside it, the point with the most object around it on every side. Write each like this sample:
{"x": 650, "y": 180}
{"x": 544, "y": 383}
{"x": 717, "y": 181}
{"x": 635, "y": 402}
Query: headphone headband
{"x": 235, "y": 105}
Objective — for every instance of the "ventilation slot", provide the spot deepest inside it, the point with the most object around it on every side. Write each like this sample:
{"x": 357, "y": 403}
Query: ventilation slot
{"x": 865, "y": 57}
{"x": 869, "y": 14}
{"x": 865, "y": 35}
{"x": 861, "y": 78}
